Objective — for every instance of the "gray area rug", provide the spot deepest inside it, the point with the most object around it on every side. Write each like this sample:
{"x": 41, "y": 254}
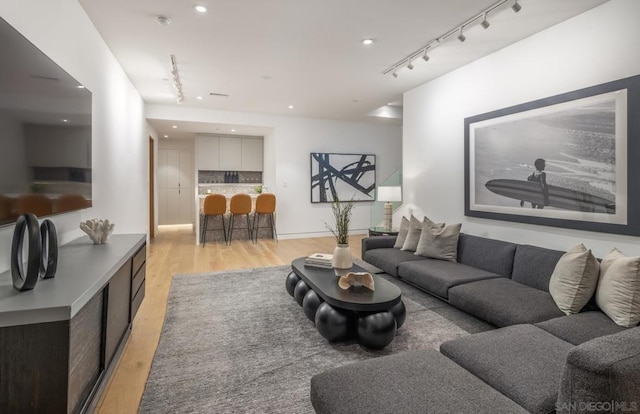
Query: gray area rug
{"x": 236, "y": 342}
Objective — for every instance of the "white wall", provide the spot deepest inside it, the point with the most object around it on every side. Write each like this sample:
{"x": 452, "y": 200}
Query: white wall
{"x": 287, "y": 165}
{"x": 62, "y": 30}
{"x": 598, "y": 46}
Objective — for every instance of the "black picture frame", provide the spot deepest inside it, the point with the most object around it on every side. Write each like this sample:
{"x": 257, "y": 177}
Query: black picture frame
{"x": 347, "y": 176}
{"x": 580, "y": 121}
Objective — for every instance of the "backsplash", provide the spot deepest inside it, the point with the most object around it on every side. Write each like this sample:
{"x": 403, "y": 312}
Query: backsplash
{"x": 229, "y": 177}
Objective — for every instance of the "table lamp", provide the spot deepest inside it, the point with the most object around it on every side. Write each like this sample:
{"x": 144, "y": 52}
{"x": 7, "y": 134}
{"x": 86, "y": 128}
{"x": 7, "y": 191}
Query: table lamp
{"x": 389, "y": 194}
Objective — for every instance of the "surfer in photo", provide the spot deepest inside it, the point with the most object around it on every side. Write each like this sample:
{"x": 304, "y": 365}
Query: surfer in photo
{"x": 539, "y": 176}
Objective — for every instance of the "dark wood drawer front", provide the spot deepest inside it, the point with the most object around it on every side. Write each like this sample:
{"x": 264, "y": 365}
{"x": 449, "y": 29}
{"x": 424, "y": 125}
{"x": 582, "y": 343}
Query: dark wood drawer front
{"x": 138, "y": 279}
{"x": 139, "y": 258}
{"x": 137, "y": 300}
{"x": 119, "y": 295}
{"x": 85, "y": 343}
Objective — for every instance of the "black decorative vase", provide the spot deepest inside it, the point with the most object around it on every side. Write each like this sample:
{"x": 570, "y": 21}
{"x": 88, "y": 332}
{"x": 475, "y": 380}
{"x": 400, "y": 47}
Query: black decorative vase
{"x": 26, "y": 223}
{"x": 49, "y": 253}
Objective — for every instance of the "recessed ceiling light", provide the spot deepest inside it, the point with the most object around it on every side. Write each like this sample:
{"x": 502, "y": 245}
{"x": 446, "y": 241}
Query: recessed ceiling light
{"x": 368, "y": 41}
{"x": 166, "y": 136}
{"x": 199, "y": 98}
{"x": 200, "y": 8}
{"x": 65, "y": 120}
{"x": 174, "y": 126}
{"x": 163, "y": 20}
{"x": 290, "y": 106}
{"x": 233, "y": 130}
{"x": 80, "y": 86}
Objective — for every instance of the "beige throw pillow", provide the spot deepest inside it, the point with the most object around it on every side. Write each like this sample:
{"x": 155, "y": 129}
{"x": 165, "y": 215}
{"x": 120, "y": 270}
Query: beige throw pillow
{"x": 413, "y": 235}
{"x": 402, "y": 233}
{"x": 618, "y": 293}
{"x": 574, "y": 279}
{"x": 438, "y": 241}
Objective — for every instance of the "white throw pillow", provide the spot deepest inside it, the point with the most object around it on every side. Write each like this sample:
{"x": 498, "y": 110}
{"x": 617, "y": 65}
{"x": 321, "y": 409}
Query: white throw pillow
{"x": 618, "y": 293}
{"x": 438, "y": 241}
{"x": 413, "y": 235}
{"x": 574, "y": 279}
{"x": 402, "y": 233}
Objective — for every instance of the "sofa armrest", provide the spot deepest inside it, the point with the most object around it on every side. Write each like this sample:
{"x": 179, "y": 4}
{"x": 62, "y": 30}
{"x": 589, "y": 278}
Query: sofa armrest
{"x": 605, "y": 370}
{"x": 377, "y": 242}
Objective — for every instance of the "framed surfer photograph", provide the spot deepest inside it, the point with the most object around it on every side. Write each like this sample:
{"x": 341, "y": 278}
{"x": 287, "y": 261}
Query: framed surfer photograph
{"x": 565, "y": 161}
{"x": 345, "y": 176}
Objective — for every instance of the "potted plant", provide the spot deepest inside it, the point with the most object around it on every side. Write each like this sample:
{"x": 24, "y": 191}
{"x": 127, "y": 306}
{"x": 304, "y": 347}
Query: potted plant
{"x": 342, "y": 216}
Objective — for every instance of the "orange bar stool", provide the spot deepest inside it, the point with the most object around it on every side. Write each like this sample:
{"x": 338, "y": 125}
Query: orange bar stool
{"x": 214, "y": 205}
{"x": 38, "y": 204}
{"x": 265, "y": 206}
{"x": 240, "y": 206}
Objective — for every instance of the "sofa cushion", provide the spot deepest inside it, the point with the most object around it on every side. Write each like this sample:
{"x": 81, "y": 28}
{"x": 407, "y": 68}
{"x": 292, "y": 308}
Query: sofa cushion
{"x": 413, "y": 235}
{"x": 618, "y": 293}
{"x": 439, "y": 242}
{"x": 438, "y": 276}
{"x": 389, "y": 258}
{"x": 581, "y": 327}
{"x": 410, "y": 382}
{"x": 574, "y": 279}
{"x": 603, "y": 370}
{"x": 503, "y": 302}
{"x": 494, "y": 256}
{"x": 523, "y": 362}
{"x": 402, "y": 233}
{"x": 533, "y": 266}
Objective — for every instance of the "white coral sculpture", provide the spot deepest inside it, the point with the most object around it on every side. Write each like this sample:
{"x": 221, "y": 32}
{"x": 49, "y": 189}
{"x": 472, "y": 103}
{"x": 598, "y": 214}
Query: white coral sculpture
{"x": 98, "y": 230}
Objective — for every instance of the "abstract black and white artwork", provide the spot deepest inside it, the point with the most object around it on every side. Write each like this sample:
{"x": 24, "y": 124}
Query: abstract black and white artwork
{"x": 345, "y": 176}
{"x": 561, "y": 161}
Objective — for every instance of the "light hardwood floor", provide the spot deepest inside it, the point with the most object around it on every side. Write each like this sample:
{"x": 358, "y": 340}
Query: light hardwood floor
{"x": 171, "y": 252}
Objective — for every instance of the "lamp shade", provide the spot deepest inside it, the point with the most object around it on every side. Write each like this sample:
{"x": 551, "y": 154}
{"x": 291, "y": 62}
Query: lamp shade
{"x": 389, "y": 193}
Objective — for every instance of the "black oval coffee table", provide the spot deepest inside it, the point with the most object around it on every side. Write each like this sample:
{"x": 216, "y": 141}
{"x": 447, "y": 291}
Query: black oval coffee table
{"x": 372, "y": 317}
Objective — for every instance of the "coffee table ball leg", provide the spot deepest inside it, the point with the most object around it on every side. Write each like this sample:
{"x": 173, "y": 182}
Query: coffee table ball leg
{"x": 310, "y": 304}
{"x": 334, "y": 326}
{"x": 376, "y": 330}
{"x": 300, "y": 290}
{"x": 291, "y": 281}
{"x": 399, "y": 312}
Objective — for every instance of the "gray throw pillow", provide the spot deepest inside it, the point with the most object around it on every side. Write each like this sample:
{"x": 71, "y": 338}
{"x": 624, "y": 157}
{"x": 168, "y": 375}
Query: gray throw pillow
{"x": 574, "y": 279}
{"x": 402, "y": 233}
{"x": 438, "y": 241}
{"x": 618, "y": 292}
{"x": 413, "y": 235}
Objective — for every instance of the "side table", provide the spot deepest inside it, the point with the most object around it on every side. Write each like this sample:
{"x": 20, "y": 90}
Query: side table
{"x": 380, "y": 231}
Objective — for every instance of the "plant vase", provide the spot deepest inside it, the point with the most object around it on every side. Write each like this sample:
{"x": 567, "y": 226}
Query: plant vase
{"x": 342, "y": 257}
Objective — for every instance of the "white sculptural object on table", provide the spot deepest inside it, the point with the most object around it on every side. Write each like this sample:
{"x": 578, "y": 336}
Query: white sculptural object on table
{"x": 98, "y": 230}
{"x": 356, "y": 279}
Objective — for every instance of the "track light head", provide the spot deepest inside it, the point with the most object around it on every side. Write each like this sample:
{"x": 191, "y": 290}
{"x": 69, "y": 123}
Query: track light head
{"x": 410, "y": 65}
{"x": 425, "y": 57}
{"x": 516, "y": 6}
{"x": 395, "y": 72}
{"x": 485, "y": 23}
{"x": 461, "y": 36}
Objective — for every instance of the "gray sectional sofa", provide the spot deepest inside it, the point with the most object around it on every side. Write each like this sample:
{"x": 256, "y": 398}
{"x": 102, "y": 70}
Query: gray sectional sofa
{"x": 538, "y": 361}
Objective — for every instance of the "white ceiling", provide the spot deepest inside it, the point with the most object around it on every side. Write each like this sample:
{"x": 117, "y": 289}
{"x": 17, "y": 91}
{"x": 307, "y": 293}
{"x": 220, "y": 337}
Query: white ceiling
{"x": 267, "y": 55}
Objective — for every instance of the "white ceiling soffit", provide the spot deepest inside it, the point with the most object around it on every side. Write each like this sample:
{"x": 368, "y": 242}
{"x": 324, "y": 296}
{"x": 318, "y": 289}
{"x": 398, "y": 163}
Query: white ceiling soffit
{"x": 269, "y": 55}
{"x": 188, "y": 130}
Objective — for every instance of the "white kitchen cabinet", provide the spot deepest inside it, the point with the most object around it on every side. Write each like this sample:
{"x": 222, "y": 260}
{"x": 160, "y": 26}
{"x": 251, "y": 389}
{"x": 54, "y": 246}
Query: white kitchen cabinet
{"x": 208, "y": 153}
{"x": 251, "y": 154}
{"x": 175, "y": 187}
{"x": 230, "y": 154}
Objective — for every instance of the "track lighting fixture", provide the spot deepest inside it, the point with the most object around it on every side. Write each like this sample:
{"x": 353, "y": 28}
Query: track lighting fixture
{"x": 176, "y": 79}
{"x": 481, "y": 19}
{"x": 485, "y": 23}
{"x": 461, "y": 36}
{"x": 516, "y": 6}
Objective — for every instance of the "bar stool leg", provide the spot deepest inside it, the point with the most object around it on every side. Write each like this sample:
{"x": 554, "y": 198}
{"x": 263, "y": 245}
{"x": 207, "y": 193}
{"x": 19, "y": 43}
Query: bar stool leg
{"x": 274, "y": 233}
{"x": 224, "y": 229}
{"x": 255, "y": 229}
{"x": 231, "y": 220}
{"x": 249, "y": 228}
{"x": 203, "y": 236}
